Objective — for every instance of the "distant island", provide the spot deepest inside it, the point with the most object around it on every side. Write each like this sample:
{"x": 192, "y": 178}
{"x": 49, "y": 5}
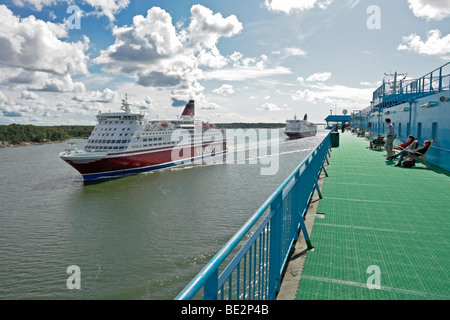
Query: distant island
{"x": 242, "y": 125}
{"x": 25, "y": 134}
{"x": 20, "y": 134}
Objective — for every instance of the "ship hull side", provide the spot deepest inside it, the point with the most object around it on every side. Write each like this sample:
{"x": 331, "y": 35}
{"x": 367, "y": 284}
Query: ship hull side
{"x": 136, "y": 162}
{"x": 294, "y": 135}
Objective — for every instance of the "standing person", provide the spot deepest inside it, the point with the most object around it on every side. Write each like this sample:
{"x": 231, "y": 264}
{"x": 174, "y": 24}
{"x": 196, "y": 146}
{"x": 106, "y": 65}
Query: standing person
{"x": 390, "y": 136}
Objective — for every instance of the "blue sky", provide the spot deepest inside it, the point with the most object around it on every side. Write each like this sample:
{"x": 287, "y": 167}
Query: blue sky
{"x": 242, "y": 61}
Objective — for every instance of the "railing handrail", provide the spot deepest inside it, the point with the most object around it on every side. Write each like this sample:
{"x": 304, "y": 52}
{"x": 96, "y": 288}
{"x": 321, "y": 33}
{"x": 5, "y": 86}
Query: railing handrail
{"x": 381, "y": 92}
{"x": 213, "y": 265}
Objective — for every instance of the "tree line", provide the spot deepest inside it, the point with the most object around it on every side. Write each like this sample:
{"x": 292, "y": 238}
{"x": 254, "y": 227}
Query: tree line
{"x": 241, "y": 125}
{"x": 18, "y": 133}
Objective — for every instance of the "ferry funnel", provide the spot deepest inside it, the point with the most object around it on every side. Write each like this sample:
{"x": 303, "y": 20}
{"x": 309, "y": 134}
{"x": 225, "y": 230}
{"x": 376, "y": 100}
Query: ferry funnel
{"x": 189, "y": 110}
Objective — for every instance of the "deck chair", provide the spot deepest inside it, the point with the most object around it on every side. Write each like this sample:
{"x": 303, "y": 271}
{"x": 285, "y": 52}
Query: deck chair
{"x": 377, "y": 143}
{"x": 362, "y": 133}
{"x": 422, "y": 158}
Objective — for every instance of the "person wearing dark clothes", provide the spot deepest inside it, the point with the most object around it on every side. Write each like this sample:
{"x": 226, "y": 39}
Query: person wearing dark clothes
{"x": 415, "y": 152}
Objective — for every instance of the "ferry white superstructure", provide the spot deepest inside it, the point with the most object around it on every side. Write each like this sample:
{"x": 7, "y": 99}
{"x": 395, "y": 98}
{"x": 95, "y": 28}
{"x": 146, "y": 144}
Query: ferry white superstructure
{"x": 125, "y": 143}
{"x": 300, "y": 128}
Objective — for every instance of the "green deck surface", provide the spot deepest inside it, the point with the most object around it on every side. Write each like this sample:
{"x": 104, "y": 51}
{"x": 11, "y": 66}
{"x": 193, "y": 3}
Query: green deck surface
{"x": 376, "y": 214}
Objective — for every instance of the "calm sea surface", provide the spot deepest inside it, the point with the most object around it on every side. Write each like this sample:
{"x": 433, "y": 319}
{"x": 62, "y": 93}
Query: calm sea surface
{"x": 138, "y": 237}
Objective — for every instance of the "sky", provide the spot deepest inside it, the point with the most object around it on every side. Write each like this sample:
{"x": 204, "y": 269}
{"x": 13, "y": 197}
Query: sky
{"x": 62, "y": 61}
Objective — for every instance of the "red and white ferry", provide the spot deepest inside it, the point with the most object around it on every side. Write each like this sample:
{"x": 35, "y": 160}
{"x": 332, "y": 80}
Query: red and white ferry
{"x": 125, "y": 143}
{"x": 300, "y": 128}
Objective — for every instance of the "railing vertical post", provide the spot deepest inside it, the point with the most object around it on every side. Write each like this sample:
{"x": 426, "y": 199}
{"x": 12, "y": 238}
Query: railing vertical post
{"x": 275, "y": 246}
{"x": 318, "y": 190}
{"x": 440, "y": 79}
{"x": 325, "y": 171}
{"x": 296, "y": 205}
{"x": 305, "y": 234}
{"x": 211, "y": 287}
{"x": 431, "y": 81}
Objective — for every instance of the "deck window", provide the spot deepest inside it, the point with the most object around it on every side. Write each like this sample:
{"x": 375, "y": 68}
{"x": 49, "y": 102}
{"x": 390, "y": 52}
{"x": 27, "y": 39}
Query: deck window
{"x": 434, "y": 129}
{"x": 419, "y": 131}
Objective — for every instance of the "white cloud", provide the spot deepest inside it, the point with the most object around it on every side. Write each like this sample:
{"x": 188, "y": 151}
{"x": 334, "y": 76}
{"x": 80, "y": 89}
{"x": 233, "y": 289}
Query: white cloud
{"x": 317, "y": 77}
{"x": 163, "y": 56}
{"x": 37, "y": 4}
{"x": 106, "y": 96}
{"x": 270, "y": 107}
{"x": 60, "y": 84}
{"x": 430, "y": 9}
{"x": 334, "y": 94}
{"x": 27, "y": 95}
{"x": 211, "y": 58}
{"x": 33, "y": 44}
{"x": 288, "y": 6}
{"x": 287, "y": 52}
{"x": 244, "y": 73}
{"x": 435, "y": 44}
{"x": 106, "y": 8}
{"x": 149, "y": 40}
{"x": 224, "y": 89}
{"x": 206, "y": 28}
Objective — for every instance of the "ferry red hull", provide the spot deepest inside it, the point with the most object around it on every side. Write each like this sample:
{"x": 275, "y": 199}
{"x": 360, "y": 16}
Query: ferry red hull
{"x": 143, "y": 160}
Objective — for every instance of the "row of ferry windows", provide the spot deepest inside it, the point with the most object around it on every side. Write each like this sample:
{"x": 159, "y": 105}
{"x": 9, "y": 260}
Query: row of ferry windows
{"x": 121, "y": 141}
{"x": 112, "y": 134}
{"x": 108, "y": 141}
{"x": 123, "y": 147}
{"x": 106, "y": 129}
{"x": 104, "y": 148}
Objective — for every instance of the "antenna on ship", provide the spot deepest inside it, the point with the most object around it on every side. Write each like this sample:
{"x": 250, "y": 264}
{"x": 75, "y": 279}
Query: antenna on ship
{"x": 394, "y": 89}
{"x": 125, "y": 105}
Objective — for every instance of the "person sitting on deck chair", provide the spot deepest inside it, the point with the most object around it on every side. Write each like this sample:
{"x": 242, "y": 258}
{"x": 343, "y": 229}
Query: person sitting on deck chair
{"x": 377, "y": 142}
{"x": 405, "y": 144}
{"x": 415, "y": 152}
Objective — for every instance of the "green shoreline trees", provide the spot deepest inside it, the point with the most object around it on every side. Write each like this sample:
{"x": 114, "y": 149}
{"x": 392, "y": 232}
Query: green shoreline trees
{"x": 17, "y": 133}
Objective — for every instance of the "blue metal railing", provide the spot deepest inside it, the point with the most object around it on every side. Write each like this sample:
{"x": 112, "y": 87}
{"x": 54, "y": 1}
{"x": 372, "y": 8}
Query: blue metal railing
{"x": 252, "y": 269}
{"x": 401, "y": 91}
